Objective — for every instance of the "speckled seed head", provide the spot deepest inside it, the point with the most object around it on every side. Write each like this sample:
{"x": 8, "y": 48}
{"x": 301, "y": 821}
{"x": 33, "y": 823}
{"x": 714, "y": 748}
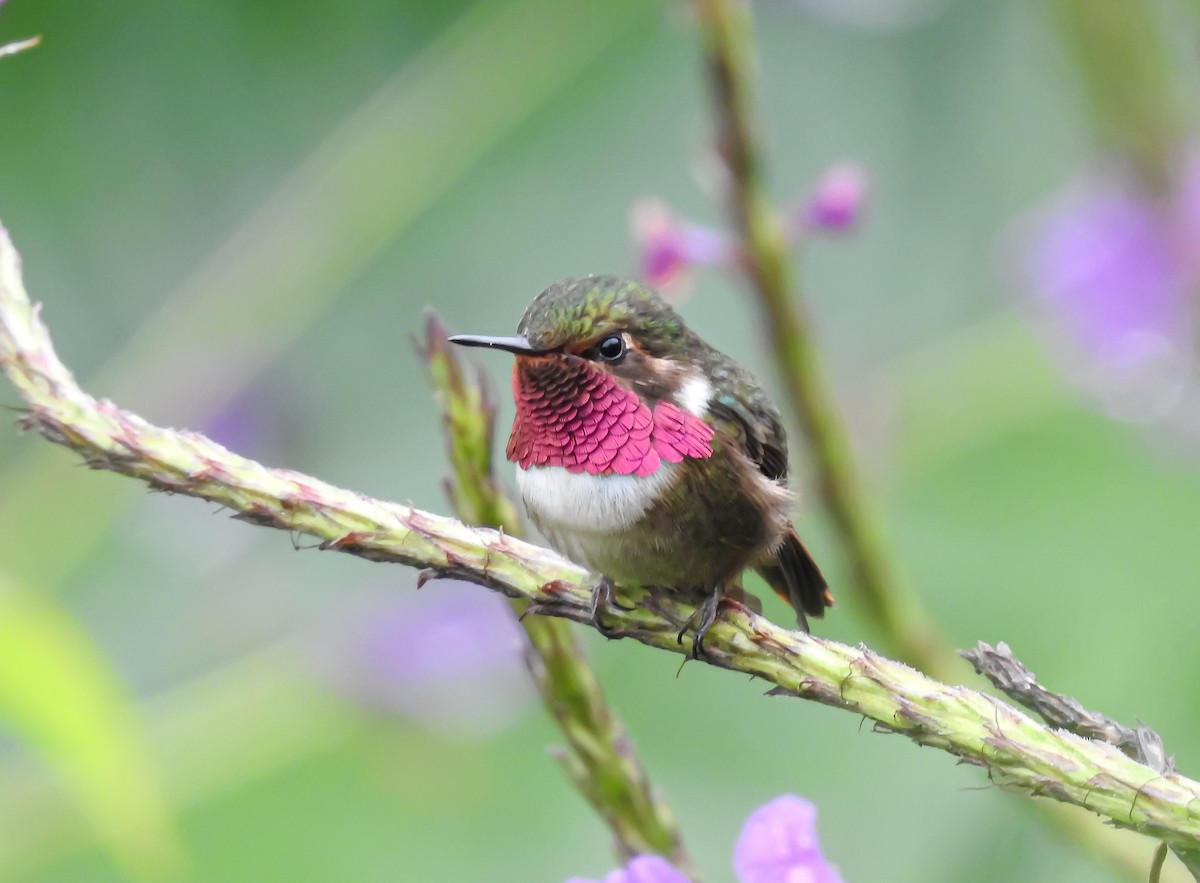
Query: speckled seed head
{"x": 575, "y": 313}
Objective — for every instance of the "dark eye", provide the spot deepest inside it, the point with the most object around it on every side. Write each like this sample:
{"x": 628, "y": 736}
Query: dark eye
{"x": 611, "y": 349}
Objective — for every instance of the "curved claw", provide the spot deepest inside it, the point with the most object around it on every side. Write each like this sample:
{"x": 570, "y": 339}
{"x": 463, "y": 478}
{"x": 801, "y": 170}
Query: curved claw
{"x": 602, "y": 597}
{"x": 703, "y": 617}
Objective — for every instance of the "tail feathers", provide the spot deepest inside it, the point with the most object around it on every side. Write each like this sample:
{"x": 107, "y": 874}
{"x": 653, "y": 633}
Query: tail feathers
{"x": 797, "y": 579}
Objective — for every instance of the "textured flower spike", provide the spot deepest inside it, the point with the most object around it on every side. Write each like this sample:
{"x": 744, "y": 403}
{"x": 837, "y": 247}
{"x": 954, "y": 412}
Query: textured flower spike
{"x": 669, "y": 246}
{"x": 779, "y": 845}
{"x": 837, "y": 200}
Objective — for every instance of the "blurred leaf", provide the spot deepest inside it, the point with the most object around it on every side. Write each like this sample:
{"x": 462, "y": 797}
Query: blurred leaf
{"x": 58, "y": 691}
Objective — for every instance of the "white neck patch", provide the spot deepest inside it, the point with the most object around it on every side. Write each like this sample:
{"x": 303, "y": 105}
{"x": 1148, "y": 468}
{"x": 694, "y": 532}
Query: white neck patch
{"x": 694, "y": 394}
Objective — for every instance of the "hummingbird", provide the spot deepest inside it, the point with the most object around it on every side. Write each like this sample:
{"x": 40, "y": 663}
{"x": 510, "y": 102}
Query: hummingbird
{"x": 647, "y": 456}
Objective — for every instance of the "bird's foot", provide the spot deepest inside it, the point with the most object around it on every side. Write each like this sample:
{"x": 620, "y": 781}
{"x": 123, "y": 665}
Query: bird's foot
{"x": 603, "y": 597}
{"x": 702, "y": 618}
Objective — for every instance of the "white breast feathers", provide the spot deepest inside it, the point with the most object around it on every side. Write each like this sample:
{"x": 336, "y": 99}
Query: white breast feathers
{"x": 592, "y": 503}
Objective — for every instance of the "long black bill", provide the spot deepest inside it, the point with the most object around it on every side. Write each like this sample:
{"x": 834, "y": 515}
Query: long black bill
{"x": 509, "y": 344}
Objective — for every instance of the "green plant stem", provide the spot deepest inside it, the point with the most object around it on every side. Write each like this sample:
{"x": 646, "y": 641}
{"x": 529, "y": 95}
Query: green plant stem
{"x": 1128, "y": 82}
{"x": 1016, "y": 750}
{"x": 888, "y": 603}
{"x": 1156, "y": 865}
{"x": 600, "y": 759}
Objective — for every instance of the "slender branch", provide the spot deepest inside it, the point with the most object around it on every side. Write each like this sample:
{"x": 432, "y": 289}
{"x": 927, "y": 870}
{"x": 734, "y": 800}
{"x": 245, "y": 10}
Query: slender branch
{"x": 600, "y": 758}
{"x": 888, "y": 603}
{"x": 979, "y": 729}
{"x": 1009, "y": 675}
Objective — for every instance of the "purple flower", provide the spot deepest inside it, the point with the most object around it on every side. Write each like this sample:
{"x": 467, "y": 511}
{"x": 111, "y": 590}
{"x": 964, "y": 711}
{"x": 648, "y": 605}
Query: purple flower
{"x": 1113, "y": 272}
{"x": 1105, "y": 264}
{"x": 778, "y": 844}
{"x": 257, "y": 421}
{"x": 669, "y": 247}
{"x": 641, "y": 869}
{"x": 838, "y": 198}
{"x": 448, "y": 656}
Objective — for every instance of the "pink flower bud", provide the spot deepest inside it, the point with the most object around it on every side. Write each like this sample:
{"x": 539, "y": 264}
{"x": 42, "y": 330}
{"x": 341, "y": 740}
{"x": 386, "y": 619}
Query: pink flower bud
{"x": 838, "y": 198}
{"x": 669, "y": 247}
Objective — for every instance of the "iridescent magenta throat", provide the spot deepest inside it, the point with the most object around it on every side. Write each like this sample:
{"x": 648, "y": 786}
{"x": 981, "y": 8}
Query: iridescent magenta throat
{"x": 572, "y": 415}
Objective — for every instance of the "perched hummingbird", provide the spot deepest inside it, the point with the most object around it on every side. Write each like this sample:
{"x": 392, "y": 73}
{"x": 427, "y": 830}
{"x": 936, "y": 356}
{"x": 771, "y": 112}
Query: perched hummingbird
{"x": 647, "y": 456}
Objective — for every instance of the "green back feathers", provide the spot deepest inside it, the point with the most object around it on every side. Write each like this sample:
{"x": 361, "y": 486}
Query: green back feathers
{"x": 578, "y": 311}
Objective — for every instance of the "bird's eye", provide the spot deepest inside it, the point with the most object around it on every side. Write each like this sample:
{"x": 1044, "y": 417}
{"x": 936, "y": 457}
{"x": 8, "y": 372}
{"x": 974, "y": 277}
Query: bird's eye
{"x": 611, "y": 349}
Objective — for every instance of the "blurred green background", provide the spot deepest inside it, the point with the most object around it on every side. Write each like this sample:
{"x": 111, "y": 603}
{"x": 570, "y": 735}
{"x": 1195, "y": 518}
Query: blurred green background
{"x": 235, "y": 214}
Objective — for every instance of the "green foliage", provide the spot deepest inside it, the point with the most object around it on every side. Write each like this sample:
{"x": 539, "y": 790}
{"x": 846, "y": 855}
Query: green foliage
{"x": 58, "y": 690}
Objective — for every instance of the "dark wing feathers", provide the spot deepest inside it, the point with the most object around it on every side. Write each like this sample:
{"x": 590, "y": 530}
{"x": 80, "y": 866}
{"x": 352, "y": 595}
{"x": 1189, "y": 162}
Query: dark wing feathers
{"x": 761, "y": 435}
{"x": 794, "y": 575}
{"x": 797, "y": 579}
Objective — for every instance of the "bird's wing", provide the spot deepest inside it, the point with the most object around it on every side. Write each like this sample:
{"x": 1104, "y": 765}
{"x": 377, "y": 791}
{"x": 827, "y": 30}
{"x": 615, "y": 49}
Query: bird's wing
{"x": 757, "y": 428}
